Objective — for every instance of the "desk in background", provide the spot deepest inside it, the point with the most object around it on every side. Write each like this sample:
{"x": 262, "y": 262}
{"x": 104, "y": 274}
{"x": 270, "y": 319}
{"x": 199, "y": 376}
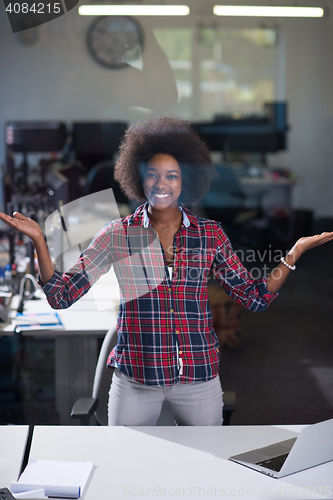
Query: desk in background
{"x": 86, "y": 322}
{"x": 77, "y": 345}
{"x": 185, "y": 462}
{"x": 277, "y": 197}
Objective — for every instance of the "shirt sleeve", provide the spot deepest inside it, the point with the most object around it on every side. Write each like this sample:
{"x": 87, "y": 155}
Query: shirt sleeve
{"x": 236, "y": 280}
{"x": 64, "y": 289}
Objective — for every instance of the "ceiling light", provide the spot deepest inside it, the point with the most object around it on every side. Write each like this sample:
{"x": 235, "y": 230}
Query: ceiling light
{"x": 265, "y": 11}
{"x": 134, "y": 10}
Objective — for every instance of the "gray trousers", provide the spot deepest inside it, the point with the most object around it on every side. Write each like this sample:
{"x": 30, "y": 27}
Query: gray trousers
{"x": 133, "y": 403}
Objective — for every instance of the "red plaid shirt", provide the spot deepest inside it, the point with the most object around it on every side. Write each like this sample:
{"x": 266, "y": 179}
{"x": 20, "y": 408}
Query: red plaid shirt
{"x": 165, "y": 327}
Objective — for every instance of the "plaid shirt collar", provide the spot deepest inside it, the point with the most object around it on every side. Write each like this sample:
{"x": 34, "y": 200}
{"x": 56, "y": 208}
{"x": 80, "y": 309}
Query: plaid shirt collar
{"x": 140, "y": 217}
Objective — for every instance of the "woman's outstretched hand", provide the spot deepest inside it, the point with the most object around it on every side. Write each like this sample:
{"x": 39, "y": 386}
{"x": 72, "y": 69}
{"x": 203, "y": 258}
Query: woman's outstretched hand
{"x": 279, "y": 275}
{"x": 306, "y": 243}
{"x": 23, "y": 224}
{"x": 31, "y": 229}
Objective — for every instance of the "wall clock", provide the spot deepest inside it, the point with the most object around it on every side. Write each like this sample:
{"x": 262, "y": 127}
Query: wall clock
{"x": 115, "y": 41}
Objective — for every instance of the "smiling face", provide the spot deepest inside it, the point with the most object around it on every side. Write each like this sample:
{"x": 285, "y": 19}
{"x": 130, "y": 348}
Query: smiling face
{"x": 162, "y": 182}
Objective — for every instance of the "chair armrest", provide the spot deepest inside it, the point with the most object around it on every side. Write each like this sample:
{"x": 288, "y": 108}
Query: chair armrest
{"x": 83, "y": 409}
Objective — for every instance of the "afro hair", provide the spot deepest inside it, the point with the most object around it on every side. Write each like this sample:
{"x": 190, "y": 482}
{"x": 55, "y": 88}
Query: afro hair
{"x": 170, "y": 136}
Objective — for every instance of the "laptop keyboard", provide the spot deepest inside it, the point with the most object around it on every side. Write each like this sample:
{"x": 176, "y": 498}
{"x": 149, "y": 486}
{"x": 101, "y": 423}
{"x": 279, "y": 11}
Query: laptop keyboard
{"x": 274, "y": 463}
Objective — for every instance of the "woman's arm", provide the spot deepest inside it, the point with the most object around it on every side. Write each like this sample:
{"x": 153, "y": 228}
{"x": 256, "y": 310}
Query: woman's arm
{"x": 31, "y": 229}
{"x": 63, "y": 289}
{"x": 256, "y": 294}
{"x": 279, "y": 275}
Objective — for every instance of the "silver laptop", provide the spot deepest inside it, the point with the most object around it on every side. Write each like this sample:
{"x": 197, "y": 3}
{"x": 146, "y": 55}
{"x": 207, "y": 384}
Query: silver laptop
{"x": 313, "y": 446}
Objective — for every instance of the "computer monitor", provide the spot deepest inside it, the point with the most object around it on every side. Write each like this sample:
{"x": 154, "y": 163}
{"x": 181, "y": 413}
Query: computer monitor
{"x": 35, "y": 136}
{"x": 22, "y": 140}
{"x": 93, "y": 142}
{"x": 264, "y": 133}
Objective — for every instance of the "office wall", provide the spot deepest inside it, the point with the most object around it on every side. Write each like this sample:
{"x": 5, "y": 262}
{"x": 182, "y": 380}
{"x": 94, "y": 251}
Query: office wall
{"x": 57, "y": 79}
{"x": 308, "y": 89}
{"x": 309, "y": 77}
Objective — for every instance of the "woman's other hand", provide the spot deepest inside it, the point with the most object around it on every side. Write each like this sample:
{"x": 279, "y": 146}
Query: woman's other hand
{"x": 23, "y": 224}
{"x": 306, "y": 243}
{"x": 31, "y": 229}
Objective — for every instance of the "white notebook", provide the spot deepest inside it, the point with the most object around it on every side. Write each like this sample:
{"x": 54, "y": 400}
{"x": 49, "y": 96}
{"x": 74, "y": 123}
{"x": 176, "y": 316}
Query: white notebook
{"x": 57, "y": 479}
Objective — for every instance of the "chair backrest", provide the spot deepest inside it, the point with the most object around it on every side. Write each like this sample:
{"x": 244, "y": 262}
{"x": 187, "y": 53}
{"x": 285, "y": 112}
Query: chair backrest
{"x": 103, "y": 379}
{"x": 225, "y": 191}
{"x": 101, "y": 177}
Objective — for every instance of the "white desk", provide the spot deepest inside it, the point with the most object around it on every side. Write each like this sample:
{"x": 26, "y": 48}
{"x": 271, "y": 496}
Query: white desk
{"x": 76, "y": 346}
{"x": 13, "y": 439}
{"x": 168, "y": 462}
{"x": 278, "y": 192}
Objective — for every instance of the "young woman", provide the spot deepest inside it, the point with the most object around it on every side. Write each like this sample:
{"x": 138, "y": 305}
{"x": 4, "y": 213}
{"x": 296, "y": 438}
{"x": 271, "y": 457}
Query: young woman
{"x": 167, "y": 347}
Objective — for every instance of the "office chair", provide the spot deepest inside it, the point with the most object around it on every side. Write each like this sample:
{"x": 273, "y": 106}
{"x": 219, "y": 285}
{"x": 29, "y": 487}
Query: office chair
{"x": 226, "y": 199}
{"x": 226, "y": 202}
{"x": 97, "y": 405}
{"x": 101, "y": 177}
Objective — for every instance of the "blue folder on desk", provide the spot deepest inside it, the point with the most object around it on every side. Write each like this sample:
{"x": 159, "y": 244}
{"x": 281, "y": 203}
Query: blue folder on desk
{"x": 37, "y": 321}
